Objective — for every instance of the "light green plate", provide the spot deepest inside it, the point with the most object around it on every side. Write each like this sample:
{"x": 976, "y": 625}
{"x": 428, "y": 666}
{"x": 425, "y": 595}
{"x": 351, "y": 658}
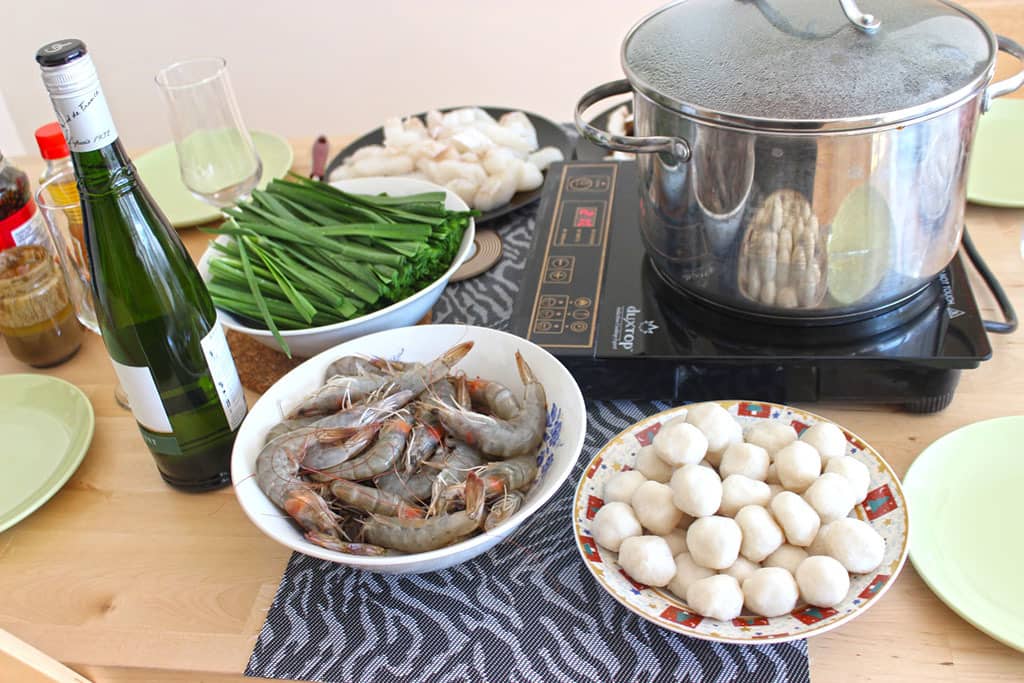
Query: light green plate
{"x": 965, "y": 492}
{"x": 996, "y": 173}
{"x": 159, "y": 171}
{"x": 47, "y": 426}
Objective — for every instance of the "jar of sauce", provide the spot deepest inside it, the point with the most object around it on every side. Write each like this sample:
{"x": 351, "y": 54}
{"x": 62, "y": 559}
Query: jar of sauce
{"x": 37, "y": 317}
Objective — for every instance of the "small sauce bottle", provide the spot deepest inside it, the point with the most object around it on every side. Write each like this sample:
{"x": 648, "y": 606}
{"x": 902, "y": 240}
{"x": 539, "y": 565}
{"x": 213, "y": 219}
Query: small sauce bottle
{"x": 54, "y": 150}
{"x": 37, "y": 317}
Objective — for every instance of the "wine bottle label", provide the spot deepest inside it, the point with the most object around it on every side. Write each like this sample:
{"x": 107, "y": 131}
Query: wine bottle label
{"x": 224, "y": 375}
{"x": 81, "y": 107}
{"x": 143, "y": 397}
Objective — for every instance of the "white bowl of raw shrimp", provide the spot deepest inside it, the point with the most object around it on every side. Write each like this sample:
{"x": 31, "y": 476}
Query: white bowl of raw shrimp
{"x": 408, "y": 311}
{"x": 492, "y": 357}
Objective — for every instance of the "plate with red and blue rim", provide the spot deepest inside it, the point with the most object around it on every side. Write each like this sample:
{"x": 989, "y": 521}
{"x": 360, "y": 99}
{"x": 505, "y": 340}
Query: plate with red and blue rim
{"x": 884, "y": 508}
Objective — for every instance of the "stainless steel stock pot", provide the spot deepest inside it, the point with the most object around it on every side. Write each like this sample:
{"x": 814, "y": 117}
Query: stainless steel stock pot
{"x": 801, "y": 160}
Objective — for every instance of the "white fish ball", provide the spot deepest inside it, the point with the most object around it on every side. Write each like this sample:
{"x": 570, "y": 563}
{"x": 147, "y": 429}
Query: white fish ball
{"x": 819, "y": 546}
{"x": 741, "y": 569}
{"x": 787, "y": 556}
{"x": 856, "y": 545}
{"x": 798, "y": 520}
{"x": 676, "y": 540}
{"x": 771, "y": 436}
{"x": 621, "y": 485}
{"x": 652, "y": 505}
{"x": 714, "y": 542}
{"x": 696, "y": 490}
{"x": 827, "y": 438}
{"x": 831, "y": 496}
{"x": 613, "y": 523}
{"x": 746, "y": 459}
{"x": 687, "y": 571}
{"x": 739, "y": 491}
{"x": 762, "y": 536}
{"x": 717, "y": 424}
{"x": 680, "y": 443}
{"x": 798, "y": 465}
{"x": 822, "y": 581}
{"x": 647, "y": 559}
{"x": 855, "y": 472}
{"x": 770, "y": 592}
{"x": 651, "y": 466}
{"x": 716, "y": 597}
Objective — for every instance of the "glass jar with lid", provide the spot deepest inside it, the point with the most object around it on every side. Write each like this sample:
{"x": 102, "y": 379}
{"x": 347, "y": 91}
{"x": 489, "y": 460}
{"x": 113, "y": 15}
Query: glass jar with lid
{"x": 37, "y": 317}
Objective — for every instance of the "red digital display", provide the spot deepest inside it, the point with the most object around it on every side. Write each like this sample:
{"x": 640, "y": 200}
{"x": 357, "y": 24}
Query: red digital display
{"x": 586, "y": 217}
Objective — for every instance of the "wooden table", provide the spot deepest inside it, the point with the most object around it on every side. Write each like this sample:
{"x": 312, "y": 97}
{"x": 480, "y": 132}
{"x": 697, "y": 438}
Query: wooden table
{"x": 125, "y": 579}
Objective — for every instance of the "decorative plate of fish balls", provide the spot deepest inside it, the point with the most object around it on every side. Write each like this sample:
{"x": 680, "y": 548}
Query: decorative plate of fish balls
{"x": 738, "y": 521}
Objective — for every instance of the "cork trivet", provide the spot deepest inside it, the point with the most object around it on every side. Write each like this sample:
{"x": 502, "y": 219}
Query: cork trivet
{"x": 488, "y": 252}
{"x": 260, "y": 366}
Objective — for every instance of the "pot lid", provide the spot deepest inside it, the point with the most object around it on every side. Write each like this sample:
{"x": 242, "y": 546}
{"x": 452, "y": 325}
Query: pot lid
{"x": 805, "y": 64}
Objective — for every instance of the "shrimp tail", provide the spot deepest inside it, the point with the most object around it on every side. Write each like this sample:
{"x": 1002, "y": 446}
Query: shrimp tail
{"x": 453, "y": 355}
{"x": 525, "y": 372}
{"x": 476, "y": 498}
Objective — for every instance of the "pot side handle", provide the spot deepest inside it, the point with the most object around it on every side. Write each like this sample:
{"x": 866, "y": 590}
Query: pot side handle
{"x": 677, "y": 147}
{"x": 1007, "y": 85}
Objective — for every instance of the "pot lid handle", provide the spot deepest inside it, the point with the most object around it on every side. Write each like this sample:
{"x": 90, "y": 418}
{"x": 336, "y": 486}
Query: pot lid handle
{"x": 868, "y": 23}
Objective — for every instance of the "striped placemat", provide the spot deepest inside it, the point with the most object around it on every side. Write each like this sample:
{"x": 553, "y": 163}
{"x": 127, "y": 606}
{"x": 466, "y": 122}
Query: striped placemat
{"x": 528, "y": 610}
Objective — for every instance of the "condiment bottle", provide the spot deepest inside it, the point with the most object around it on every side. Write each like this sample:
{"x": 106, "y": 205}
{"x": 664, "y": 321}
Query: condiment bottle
{"x": 54, "y": 150}
{"x": 20, "y": 220}
{"x": 37, "y": 317}
{"x": 155, "y": 314}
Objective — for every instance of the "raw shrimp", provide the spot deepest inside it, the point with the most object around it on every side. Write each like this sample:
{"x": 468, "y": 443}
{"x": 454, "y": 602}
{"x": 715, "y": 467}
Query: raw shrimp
{"x": 495, "y": 397}
{"x": 324, "y": 456}
{"x": 459, "y": 461}
{"x": 421, "y": 535}
{"x": 310, "y": 510}
{"x": 366, "y": 413}
{"x": 286, "y": 426}
{"x": 277, "y": 465}
{"x": 380, "y": 458}
{"x": 339, "y": 392}
{"x": 506, "y": 506}
{"x": 503, "y": 438}
{"x": 349, "y": 366}
{"x": 414, "y": 486}
{"x": 499, "y": 478}
{"x": 332, "y": 542}
{"x": 369, "y": 499}
{"x": 457, "y": 466}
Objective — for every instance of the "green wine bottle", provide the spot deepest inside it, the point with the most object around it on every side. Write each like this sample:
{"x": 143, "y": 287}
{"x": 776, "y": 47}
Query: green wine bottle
{"x": 155, "y": 315}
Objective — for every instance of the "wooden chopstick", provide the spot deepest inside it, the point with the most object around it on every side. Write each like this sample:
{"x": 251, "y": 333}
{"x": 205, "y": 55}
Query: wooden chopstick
{"x": 21, "y": 662}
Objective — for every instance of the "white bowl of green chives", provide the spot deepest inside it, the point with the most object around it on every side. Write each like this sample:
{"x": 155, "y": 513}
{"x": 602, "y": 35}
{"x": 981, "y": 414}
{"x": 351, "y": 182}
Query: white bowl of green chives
{"x": 408, "y": 311}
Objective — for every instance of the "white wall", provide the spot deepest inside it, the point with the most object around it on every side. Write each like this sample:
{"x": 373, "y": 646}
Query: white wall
{"x": 304, "y": 68}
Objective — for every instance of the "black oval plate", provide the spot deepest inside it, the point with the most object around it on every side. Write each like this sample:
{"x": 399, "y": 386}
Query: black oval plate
{"x": 549, "y": 134}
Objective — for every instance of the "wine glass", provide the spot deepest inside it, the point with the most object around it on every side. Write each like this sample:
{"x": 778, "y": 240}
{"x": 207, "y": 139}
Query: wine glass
{"x": 216, "y": 155}
{"x": 58, "y": 202}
